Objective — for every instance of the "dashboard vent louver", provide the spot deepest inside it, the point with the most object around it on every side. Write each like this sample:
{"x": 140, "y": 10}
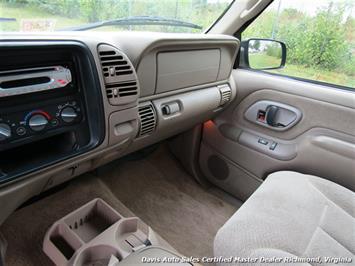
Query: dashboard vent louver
{"x": 121, "y": 89}
{"x": 147, "y": 119}
{"x": 114, "y": 64}
{"x": 226, "y": 94}
{"x": 119, "y": 75}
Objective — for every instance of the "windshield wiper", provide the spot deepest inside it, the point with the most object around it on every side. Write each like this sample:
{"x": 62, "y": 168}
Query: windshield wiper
{"x": 137, "y": 20}
{"x": 7, "y": 19}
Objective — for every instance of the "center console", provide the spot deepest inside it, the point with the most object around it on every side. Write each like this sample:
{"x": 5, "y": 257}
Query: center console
{"x": 45, "y": 92}
{"x": 96, "y": 234}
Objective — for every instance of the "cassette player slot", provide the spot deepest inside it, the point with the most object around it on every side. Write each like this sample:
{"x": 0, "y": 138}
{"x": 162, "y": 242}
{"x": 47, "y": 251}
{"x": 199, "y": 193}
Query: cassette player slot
{"x": 30, "y": 80}
{"x": 24, "y": 82}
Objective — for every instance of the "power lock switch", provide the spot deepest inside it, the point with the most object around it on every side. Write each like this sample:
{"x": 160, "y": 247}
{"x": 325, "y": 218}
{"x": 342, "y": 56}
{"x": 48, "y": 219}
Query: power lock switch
{"x": 263, "y": 141}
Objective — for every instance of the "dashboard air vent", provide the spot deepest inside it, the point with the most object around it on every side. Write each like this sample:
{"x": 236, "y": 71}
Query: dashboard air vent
{"x": 147, "y": 119}
{"x": 121, "y": 89}
{"x": 114, "y": 64}
{"x": 120, "y": 77}
{"x": 226, "y": 94}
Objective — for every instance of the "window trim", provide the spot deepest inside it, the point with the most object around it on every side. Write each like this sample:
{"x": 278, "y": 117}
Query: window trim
{"x": 238, "y": 35}
{"x": 208, "y": 29}
{"x": 316, "y": 82}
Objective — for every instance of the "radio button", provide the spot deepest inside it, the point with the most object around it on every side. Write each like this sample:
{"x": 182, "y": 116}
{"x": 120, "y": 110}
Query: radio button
{"x": 54, "y": 122}
{"x": 5, "y": 131}
{"x": 21, "y": 131}
{"x": 38, "y": 122}
{"x": 68, "y": 114}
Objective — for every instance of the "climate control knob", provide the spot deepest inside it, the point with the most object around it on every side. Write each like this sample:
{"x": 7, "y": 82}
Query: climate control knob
{"x": 5, "y": 131}
{"x": 68, "y": 114}
{"x": 37, "y": 122}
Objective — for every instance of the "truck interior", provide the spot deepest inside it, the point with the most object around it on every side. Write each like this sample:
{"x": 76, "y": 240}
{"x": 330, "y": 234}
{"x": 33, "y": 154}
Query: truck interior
{"x": 127, "y": 147}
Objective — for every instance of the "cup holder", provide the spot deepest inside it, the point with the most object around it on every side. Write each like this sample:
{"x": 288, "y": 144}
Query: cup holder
{"x": 91, "y": 220}
{"x": 97, "y": 256}
{"x": 127, "y": 226}
{"x": 92, "y": 234}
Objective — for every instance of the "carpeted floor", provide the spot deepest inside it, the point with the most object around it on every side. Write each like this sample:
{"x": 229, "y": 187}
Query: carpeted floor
{"x": 154, "y": 188}
{"x": 24, "y": 230}
{"x": 159, "y": 191}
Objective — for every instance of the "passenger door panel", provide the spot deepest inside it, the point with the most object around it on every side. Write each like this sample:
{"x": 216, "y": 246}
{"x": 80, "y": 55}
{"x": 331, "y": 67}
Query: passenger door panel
{"x": 321, "y": 142}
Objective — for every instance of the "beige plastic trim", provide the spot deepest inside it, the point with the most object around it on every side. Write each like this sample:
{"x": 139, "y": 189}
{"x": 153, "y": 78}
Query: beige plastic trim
{"x": 189, "y": 68}
{"x": 239, "y": 12}
{"x": 142, "y": 257}
{"x": 92, "y": 234}
{"x": 249, "y": 13}
{"x": 323, "y": 140}
{"x": 137, "y": 46}
{"x": 335, "y": 145}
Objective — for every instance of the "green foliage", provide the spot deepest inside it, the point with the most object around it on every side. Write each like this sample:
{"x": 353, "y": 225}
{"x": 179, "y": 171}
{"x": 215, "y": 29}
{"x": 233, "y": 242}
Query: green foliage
{"x": 261, "y": 61}
{"x": 324, "y": 41}
{"x": 200, "y": 12}
{"x": 317, "y": 41}
{"x": 274, "y": 50}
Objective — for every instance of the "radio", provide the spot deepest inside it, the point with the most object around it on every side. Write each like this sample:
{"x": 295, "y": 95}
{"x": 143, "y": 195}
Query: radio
{"x": 37, "y": 103}
{"x": 51, "y": 106}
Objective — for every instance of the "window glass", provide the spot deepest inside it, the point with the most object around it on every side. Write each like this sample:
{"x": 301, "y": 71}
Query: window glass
{"x": 134, "y": 15}
{"x": 319, "y": 35}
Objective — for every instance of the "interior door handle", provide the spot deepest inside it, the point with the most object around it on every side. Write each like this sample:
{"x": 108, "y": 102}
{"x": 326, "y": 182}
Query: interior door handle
{"x": 271, "y": 113}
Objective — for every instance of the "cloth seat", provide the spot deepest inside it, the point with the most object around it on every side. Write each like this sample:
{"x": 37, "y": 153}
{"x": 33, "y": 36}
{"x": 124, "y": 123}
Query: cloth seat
{"x": 291, "y": 217}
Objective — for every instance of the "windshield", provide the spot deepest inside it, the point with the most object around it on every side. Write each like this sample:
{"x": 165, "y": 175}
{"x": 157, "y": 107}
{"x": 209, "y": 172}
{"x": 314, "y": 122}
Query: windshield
{"x": 110, "y": 15}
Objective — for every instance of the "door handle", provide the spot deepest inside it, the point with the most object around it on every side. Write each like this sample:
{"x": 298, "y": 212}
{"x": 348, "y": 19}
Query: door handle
{"x": 271, "y": 113}
{"x": 274, "y": 115}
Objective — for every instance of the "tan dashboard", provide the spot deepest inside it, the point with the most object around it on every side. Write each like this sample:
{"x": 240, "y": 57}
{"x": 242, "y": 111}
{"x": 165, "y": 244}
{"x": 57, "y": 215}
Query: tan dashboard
{"x": 152, "y": 86}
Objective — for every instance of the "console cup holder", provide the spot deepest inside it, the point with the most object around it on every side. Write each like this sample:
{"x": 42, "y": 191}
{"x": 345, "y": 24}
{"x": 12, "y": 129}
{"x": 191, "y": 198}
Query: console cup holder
{"x": 63, "y": 243}
{"x": 92, "y": 219}
{"x": 96, "y": 255}
{"x": 92, "y": 234}
{"x": 127, "y": 226}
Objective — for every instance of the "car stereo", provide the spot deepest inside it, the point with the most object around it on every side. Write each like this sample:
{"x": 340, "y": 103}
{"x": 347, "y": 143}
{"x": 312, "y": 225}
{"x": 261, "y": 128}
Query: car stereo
{"x": 50, "y": 105}
{"x": 39, "y": 116}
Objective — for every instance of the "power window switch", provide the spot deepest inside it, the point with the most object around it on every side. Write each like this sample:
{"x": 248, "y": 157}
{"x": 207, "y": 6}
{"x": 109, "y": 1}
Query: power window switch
{"x": 263, "y": 141}
{"x": 273, "y": 146}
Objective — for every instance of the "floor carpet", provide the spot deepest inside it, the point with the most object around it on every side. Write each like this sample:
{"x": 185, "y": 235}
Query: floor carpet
{"x": 155, "y": 188}
{"x": 163, "y": 195}
{"x": 24, "y": 230}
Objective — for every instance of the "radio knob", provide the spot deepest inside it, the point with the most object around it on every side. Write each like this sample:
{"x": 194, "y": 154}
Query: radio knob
{"x": 38, "y": 122}
{"x": 68, "y": 114}
{"x": 5, "y": 131}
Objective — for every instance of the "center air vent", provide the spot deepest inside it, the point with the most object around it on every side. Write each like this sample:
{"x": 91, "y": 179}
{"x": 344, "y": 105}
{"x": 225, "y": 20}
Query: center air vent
{"x": 119, "y": 75}
{"x": 114, "y": 64}
{"x": 121, "y": 89}
{"x": 147, "y": 119}
{"x": 226, "y": 94}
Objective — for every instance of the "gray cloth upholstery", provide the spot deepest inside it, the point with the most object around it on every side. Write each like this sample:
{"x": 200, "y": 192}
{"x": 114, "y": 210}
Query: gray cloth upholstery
{"x": 291, "y": 215}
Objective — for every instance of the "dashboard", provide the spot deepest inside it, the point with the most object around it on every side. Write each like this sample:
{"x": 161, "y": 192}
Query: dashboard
{"x": 70, "y": 103}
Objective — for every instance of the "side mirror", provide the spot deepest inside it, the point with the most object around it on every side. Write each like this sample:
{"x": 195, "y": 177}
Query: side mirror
{"x": 263, "y": 54}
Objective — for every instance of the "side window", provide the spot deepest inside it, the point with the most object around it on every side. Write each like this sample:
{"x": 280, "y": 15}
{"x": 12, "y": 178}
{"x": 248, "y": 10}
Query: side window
{"x": 319, "y": 38}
